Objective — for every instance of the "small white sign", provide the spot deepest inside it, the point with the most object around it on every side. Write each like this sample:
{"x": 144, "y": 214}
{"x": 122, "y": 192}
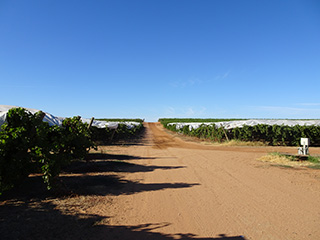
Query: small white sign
{"x": 305, "y": 141}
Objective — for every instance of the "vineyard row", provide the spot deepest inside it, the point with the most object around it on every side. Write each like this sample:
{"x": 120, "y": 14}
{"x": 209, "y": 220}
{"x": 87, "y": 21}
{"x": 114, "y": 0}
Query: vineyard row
{"x": 270, "y": 134}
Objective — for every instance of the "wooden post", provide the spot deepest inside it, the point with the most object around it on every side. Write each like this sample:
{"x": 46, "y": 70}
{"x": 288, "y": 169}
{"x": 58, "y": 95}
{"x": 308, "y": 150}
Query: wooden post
{"x": 91, "y": 121}
{"x": 225, "y": 133}
{"x": 114, "y": 131}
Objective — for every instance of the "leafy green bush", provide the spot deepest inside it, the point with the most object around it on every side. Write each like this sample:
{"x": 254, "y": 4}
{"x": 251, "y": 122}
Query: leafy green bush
{"x": 16, "y": 141}
{"x": 27, "y": 144}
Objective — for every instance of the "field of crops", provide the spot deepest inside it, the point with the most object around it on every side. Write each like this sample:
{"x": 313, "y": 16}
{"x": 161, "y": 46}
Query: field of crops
{"x": 272, "y": 132}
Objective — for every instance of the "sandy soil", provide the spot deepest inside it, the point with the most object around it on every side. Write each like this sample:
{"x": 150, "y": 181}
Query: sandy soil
{"x": 168, "y": 187}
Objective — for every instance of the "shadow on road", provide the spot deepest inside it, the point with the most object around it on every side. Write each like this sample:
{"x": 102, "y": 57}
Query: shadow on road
{"x": 30, "y": 212}
{"x": 105, "y": 156}
{"x": 103, "y": 185}
{"x": 113, "y": 164}
{"x": 35, "y": 219}
{"x": 98, "y": 176}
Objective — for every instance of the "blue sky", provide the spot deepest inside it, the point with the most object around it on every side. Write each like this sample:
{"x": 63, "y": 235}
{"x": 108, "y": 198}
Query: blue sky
{"x": 162, "y": 58}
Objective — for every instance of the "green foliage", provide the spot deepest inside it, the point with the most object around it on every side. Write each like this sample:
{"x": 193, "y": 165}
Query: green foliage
{"x": 105, "y": 135}
{"x": 314, "y": 159}
{"x": 27, "y": 144}
{"x": 165, "y": 121}
{"x": 139, "y": 120}
{"x": 76, "y": 137}
{"x": 277, "y": 134}
{"x": 273, "y": 135}
{"x": 124, "y": 132}
{"x": 17, "y": 138}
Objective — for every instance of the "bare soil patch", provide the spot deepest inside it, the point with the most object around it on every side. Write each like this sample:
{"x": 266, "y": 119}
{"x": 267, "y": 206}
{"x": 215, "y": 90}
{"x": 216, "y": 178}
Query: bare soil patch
{"x": 165, "y": 186}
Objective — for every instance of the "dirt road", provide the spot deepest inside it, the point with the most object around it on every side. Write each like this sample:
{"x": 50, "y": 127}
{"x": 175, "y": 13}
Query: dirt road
{"x": 184, "y": 190}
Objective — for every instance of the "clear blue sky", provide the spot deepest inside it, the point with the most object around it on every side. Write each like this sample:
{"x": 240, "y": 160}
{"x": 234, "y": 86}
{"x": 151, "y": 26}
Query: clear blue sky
{"x": 162, "y": 58}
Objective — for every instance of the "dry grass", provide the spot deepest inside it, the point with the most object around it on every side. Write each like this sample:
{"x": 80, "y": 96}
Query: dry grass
{"x": 242, "y": 143}
{"x": 284, "y": 160}
{"x": 233, "y": 143}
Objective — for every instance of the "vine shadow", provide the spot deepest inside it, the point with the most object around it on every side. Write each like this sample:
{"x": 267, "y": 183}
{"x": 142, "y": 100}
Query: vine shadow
{"x": 111, "y": 165}
{"x": 31, "y": 212}
{"x": 39, "y": 219}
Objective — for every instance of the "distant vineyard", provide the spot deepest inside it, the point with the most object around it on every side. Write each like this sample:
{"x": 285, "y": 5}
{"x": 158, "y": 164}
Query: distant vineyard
{"x": 124, "y": 130}
{"x": 270, "y": 134}
{"x": 165, "y": 121}
{"x": 139, "y": 120}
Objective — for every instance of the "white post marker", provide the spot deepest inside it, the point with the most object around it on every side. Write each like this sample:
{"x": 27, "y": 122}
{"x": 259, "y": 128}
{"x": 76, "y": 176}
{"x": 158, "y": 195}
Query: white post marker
{"x": 304, "y": 150}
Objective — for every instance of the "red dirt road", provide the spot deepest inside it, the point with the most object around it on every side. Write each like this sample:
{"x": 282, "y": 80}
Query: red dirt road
{"x": 186, "y": 190}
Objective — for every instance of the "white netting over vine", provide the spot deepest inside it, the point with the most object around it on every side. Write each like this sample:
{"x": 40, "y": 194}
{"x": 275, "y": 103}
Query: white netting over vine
{"x": 252, "y": 122}
{"x": 53, "y": 120}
